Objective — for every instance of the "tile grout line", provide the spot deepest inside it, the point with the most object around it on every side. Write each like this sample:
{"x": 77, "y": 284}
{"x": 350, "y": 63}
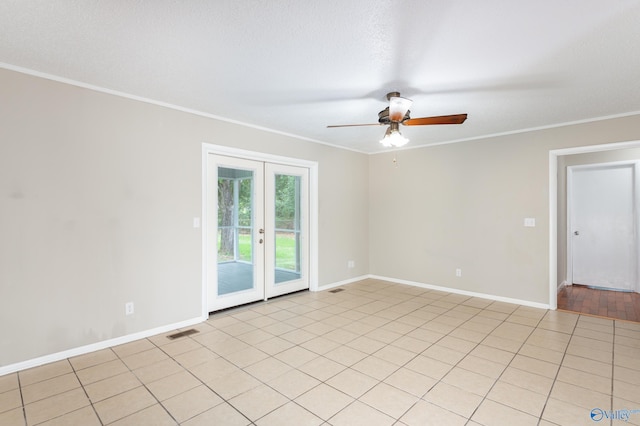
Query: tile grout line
{"x": 407, "y": 362}
{"x": 24, "y": 407}
{"x": 613, "y": 363}
{"x": 321, "y": 381}
{"x": 477, "y": 314}
{"x": 195, "y": 377}
{"x": 507, "y": 366}
{"x": 350, "y": 366}
{"x": 248, "y": 308}
{"x": 75, "y": 372}
{"x": 142, "y": 384}
{"x": 438, "y": 340}
{"x": 421, "y": 398}
{"x": 555, "y": 378}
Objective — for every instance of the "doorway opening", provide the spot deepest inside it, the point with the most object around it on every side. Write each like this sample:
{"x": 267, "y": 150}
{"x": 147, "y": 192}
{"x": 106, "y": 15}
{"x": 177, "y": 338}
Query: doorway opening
{"x": 565, "y": 243}
{"x": 259, "y": 226}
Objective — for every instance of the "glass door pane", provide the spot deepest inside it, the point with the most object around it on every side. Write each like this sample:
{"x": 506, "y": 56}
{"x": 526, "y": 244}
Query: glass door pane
{"x": 235, "y": 229}
{"x": 286, "y": 216}
{"x": 287, "y": 228}
{"x": 236, "y": 266}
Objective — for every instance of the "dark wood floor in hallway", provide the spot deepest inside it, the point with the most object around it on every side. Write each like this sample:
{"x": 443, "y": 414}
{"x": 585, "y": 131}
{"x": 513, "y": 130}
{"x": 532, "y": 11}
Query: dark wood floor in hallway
{"x": 604, "y": 303}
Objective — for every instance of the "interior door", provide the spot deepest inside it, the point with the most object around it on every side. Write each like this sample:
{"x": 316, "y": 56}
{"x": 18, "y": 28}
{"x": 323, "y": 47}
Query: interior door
{"x": 235, "y": 269}
{"x": 603, "y": 234}
{"x": 287, "y": 219}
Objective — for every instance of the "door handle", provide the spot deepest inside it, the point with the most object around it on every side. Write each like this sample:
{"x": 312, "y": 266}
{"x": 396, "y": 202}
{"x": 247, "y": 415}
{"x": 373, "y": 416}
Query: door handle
{"x": 576, "y": 232}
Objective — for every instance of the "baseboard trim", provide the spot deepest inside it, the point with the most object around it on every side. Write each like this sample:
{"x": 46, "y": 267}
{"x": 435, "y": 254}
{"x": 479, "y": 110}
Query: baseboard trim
{"x": 12, "y": 368}
{"x": 58, "y": 356}
{"x": 464, "y": 292}
{"x": 339, "y": 283}
{"x": 563, "y": 284}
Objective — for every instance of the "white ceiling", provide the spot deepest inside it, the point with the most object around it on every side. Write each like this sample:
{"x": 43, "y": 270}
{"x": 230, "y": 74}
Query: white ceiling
{"x": 296, "y": 66}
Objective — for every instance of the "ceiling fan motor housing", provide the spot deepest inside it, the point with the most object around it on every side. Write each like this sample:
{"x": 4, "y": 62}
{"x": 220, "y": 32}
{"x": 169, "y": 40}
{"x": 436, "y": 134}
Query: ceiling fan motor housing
{"x": 398, "y": 113}
{"x": 383, "y": 116}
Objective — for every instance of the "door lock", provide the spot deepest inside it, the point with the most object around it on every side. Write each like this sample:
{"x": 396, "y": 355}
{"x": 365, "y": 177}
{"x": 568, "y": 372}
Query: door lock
{"x": 261, "y": 231}
{"x": 576, "y": 232}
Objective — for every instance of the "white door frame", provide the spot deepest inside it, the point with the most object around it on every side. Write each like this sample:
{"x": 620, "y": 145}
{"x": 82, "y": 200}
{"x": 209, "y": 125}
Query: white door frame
{"x": 569, "y": 193}
{"x": 270, "y": 158}
{"x": 553, "y": 206}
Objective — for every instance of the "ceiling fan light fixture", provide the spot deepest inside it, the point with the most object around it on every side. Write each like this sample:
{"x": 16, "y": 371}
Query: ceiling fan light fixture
{"x": 393, "y": 137}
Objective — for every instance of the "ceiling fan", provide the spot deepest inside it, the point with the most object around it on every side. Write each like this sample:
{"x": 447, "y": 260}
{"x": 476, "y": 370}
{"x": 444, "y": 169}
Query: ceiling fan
{"x": 398, "y": 113}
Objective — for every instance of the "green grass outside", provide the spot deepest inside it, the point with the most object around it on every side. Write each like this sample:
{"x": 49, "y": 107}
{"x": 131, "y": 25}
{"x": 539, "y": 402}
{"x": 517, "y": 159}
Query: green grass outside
{"x": 285, "y": 253}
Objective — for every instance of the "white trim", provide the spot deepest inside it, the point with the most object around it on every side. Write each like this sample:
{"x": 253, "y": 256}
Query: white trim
{"x": 553, "y": 205}
{"x": 636, "y": 212}
{"x": 204, "y": 229}
{"x": 88, "y": 86}
{"x": 515, "y": 132}
{"x": 569, "y": 212}
{"x": 345, "y": 282}
{"x": 83, "y": 85}
{"x": 12, "y": 368}
{"x": 553, "y": 230}
{"x": 207, "y": 149}
{"x": 464, "y": 292}
{"x": 141, "y": 335}
{"x": 436, "y": 287}
{"x": 314, "y": 266}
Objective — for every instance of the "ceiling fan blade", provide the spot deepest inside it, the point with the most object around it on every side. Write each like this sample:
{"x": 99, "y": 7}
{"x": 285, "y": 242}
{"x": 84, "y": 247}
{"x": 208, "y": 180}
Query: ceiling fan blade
{"x": 442, "y": 119}
{"x": 353, "y": 125}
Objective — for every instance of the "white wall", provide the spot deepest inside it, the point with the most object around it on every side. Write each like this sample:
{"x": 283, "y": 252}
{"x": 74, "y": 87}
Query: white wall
{"x": 97, "y": 199}
{"x": 463, "y": 205}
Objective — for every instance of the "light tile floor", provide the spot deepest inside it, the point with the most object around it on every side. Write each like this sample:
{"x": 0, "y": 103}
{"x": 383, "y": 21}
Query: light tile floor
{"x": 376, "y": 353}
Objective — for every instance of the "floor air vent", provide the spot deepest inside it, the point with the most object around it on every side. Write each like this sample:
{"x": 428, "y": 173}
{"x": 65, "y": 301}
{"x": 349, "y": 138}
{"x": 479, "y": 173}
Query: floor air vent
{"x": 188, "y": 332}
{"x": 337, "y": 290}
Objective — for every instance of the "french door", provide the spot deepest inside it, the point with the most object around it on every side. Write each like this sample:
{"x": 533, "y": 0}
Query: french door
{"x": 258, "y": 230}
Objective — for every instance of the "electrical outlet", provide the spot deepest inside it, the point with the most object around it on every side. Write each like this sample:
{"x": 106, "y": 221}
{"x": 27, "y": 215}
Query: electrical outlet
{"x": 128, "y": 308}
{"x": 351, "y": 264}
{"x": 458, "y": 272}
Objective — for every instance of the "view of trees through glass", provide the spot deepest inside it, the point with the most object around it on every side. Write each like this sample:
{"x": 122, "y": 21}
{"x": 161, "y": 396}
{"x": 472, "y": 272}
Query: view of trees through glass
{"x": 287, "y": 206}
{"x": 286, "y": 202}
{"x": 232, "y": 228}
{"x": 235, "y": 221}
